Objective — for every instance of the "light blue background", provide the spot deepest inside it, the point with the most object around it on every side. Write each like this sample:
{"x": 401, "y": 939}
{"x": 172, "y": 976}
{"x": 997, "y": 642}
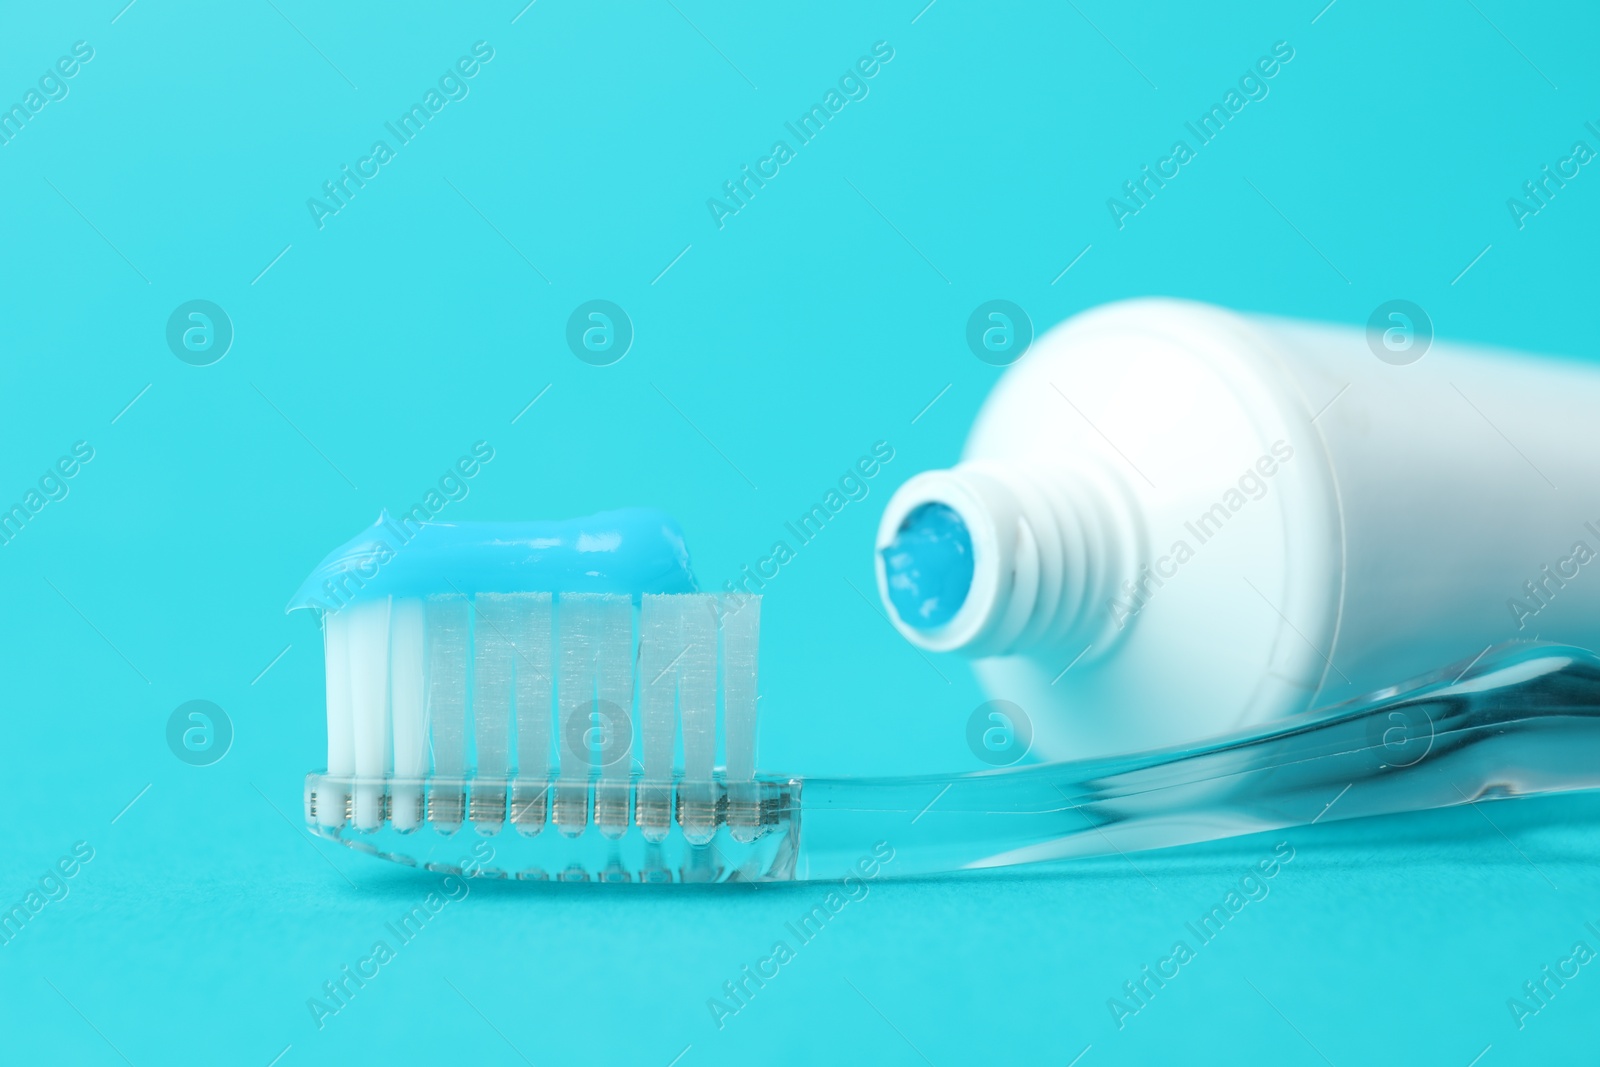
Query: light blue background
{"x": 822, "y": 318}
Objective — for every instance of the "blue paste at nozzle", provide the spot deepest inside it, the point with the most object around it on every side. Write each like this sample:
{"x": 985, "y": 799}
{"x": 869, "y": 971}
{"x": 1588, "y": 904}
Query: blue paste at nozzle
{"x": 632, "y": 551}
{"x": 928, "y": 566}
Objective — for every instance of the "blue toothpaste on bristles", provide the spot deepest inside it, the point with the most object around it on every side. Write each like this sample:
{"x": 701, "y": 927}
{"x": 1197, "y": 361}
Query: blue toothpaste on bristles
{"x": 488, "y": 673}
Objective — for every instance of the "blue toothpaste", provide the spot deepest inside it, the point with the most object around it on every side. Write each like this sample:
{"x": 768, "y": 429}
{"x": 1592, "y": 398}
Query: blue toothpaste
{"x": 632, "y": 551}
{"x": 928, "y": 566}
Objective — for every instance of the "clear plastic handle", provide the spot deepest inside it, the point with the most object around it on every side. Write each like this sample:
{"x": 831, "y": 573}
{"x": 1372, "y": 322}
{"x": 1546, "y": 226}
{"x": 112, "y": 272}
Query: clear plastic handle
{"x": 1522, "y": 720}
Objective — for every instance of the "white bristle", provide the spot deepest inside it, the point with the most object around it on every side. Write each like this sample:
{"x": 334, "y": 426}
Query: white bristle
{"x": 447, "y": 628}
{"x": 368, "y": 648}
{"x": 660, "y": 649}
{"x": 697, "y": 686}
{"x": 535, "y": 687}
{"x": 741, "y": 629}
{"x": 535, "y": 684}
{"x": 409, "y": 723}
{"x": 492, "y": 654}
{"x": 741, "y": 634}
{"x": 614, "y": 711}
{"x": 411, "y": 679}
{"x": 341, "y": 725}
{"x": 697, "y": 704}
{"x": 578, "y": 622}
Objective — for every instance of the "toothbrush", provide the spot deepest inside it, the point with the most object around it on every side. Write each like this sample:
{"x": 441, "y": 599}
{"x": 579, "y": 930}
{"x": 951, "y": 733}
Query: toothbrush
{"x": 565, "y": 674}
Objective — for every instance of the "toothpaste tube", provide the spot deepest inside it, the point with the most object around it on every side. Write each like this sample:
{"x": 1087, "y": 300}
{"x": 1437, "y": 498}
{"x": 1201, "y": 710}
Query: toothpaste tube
{"x": 1171, "y": 520}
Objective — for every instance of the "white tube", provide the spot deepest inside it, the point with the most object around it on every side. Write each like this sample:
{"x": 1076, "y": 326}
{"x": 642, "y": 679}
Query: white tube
{"x": 1185, "y": 520}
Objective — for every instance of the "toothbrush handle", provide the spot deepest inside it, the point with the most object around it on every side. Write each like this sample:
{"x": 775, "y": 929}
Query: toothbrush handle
{"x": 1523, "y": 720}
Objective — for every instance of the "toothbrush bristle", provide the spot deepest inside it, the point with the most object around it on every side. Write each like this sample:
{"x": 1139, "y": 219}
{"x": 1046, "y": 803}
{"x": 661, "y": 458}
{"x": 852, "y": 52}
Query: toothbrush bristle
{"x": 408, "y": 708}
{"x": 492, "y": 653}
{"x": 341, "y": 727}
{"x": 740, "y": 631}
{"x": 368, "y": 650}
{"x": 446, "y": 629}
{"x": 534, "y": 688}
{"x": 660, "y": 646}
{"x": 530, "y": 709}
